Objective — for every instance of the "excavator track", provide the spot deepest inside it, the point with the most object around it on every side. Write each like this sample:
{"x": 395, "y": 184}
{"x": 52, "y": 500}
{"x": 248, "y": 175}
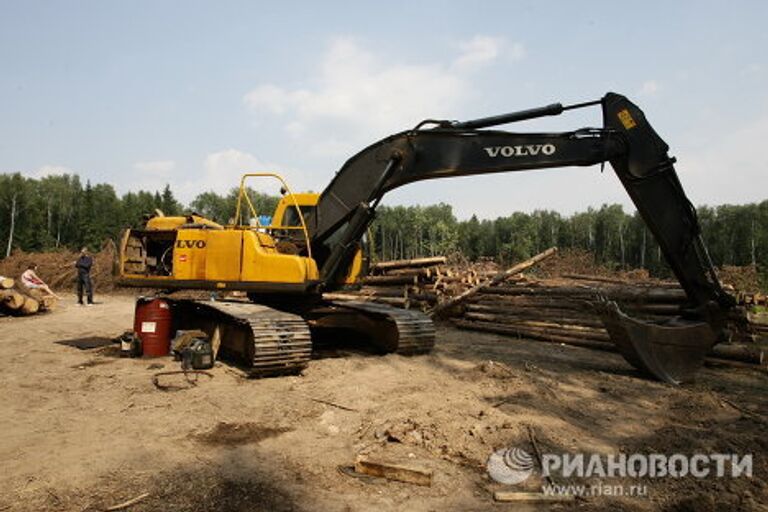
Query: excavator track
{"x": 408, "y": 332}
{"x": 267, "y": 341}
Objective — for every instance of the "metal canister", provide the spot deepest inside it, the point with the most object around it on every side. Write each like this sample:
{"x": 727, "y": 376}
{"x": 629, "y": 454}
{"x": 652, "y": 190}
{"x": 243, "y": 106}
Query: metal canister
{"x": 153, "y": 322}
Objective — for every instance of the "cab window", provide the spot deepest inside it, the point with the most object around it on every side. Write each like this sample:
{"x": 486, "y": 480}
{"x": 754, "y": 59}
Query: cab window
{"x": 291, "y": 216}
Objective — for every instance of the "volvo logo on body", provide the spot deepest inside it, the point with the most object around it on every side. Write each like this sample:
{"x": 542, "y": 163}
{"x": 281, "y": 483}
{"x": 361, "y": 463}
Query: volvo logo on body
{"x": 190, "y": 244}
{"x": 523, "y": 150}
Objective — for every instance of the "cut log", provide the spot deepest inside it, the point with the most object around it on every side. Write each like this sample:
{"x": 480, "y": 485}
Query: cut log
{"x": 425, "y": 273}
{"x": 652, "y": 309}
{"x": 533, "y": 335}
{"x": 392, "y": 301}
{"x": 590, "y": 292}
{"x": 30, "y": 306}
{"x": 754, "y": 353}
{"x": 418, "y": 262}
{"x": 498, "y": 278}
{"x": 391, "y": 291}
{"x": 409, "y": 473}
{"x": 11, "y": 299}
{"x": 47, "y": 302}
{"x": 461, "y": 279}
{"x": 555, "y": 306}
{"x": 390, "y": 280}
{"x": 423, "y": 296}
{"x": 6, "y": 283}
{"x": 596, "y": 279}
{"x": 595, "y": 332}
{"x": 553, "y": 315}
{"x": 538, "y": 331}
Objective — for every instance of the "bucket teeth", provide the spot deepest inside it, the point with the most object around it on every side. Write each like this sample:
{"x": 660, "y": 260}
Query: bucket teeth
{"x": 671, "y": 351}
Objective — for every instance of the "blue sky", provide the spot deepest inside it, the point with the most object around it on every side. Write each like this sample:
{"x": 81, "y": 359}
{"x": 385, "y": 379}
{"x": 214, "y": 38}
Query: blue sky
{"x": 139, "y": 94}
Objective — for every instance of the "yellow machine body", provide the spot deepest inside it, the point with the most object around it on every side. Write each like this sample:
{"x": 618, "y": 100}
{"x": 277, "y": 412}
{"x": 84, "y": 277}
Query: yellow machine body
{"x": 192, "y": 252}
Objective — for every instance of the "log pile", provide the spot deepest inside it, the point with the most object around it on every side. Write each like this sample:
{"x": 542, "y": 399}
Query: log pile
{"x": 20, "y": 301}
{"x": 560, "y": 311}
{"x": 553, "y": 310}
{"x": 418, "y": 283}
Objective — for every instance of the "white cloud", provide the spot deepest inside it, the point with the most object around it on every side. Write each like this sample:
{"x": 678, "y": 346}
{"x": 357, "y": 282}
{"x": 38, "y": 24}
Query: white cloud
{"x": 161, "y": 167}
{"x": 730, "y": 168}
{"x": 649, "y": 88}
{"x": 269, "y": 97}
{"x": 482, "y": 50}
{"x": 359, "y": 95}
{"x": 49, "y": 170}
{"x": 222, "y": 171}
{"x": 228, "y": 165}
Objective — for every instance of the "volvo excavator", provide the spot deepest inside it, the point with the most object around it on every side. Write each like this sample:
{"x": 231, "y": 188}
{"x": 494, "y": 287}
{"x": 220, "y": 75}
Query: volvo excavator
{"x": 315, "y": 243}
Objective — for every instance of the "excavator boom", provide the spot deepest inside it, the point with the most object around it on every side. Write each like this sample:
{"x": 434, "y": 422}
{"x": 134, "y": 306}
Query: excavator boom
{"x": 670, "y": 352}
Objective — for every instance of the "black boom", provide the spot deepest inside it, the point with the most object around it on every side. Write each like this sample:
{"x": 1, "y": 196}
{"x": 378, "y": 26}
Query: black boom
{"x": 448, "y": 149}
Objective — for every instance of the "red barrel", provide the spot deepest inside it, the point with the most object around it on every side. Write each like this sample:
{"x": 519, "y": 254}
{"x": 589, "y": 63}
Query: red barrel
{"x": 153, "y": 322}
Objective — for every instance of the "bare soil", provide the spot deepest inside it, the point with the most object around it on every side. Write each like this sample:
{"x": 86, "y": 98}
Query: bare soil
{"x": 83, "y": 429}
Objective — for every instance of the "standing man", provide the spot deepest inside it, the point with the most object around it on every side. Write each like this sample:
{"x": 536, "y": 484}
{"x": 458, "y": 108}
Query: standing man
{"x": 83, "y": 265}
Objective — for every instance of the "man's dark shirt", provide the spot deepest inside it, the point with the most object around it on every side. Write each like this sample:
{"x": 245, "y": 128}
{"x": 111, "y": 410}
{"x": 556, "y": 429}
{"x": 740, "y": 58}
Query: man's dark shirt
{"x": 84, "y": 264}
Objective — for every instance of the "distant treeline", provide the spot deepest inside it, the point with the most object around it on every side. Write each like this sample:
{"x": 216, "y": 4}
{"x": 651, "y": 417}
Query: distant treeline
{"x": 59, "y": 211}
{"x": 735, "y": 235}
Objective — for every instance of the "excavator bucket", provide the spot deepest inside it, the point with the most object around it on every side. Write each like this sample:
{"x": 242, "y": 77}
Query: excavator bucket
{"x": 671, "y": 351}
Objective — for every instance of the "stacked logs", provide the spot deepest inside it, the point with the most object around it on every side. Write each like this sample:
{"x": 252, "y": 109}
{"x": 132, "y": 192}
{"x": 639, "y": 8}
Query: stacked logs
{"x": 21, "y": 302}
{"x": 430, "y": 284}
{"x": 416, "y": 283}
{"x": 560, "y": 311}
{"x": 557, "y": 310}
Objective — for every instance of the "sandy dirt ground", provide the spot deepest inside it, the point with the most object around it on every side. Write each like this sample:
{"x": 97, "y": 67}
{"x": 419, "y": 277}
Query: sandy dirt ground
{"x": 83, "y": 429}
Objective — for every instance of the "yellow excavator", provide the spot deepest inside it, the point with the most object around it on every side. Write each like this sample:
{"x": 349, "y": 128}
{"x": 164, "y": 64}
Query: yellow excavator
{"x": 316, "y": 243}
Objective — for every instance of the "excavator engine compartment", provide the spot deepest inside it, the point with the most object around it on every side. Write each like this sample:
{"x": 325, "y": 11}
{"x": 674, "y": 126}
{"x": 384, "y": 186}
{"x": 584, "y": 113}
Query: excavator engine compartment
{"x": 148, "y": 253}
{"x": 184, "y": 254}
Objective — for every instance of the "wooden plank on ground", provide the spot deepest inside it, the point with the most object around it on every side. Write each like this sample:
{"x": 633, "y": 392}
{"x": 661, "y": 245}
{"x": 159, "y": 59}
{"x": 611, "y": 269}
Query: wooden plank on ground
{"x": 409, "y": 472}
{"x": 519, "y": 496}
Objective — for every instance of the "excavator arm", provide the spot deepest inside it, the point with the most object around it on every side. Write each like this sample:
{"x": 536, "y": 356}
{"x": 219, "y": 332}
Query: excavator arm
{"x": 441, "y": 149}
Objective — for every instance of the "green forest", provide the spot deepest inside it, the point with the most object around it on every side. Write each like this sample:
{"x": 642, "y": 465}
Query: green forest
{"x": 61, "y": 212}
